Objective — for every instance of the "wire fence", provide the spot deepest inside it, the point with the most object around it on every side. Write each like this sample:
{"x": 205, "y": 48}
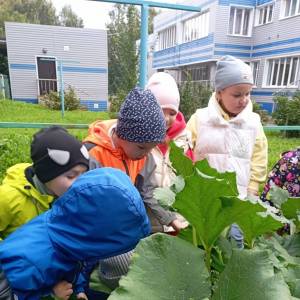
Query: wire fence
{"x": 85, "y": 126}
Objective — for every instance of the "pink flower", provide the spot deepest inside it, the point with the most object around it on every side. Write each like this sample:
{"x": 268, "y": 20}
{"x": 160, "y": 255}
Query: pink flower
{"x": 296, "y": 189}
{"x": 277, "y": 180}
{"x": 289, "y": 154}
{"x": 290, "y": 176}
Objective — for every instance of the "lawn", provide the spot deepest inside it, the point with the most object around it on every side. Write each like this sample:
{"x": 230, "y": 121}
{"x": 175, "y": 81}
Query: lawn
{"x": 15, "y": 143}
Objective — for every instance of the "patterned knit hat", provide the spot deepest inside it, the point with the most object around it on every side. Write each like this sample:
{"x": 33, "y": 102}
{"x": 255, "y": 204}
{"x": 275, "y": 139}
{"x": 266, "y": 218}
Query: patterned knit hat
{"x": 165, "y": 90}
{"x": 54, "y": 151}
{"x": 141, "y": 119}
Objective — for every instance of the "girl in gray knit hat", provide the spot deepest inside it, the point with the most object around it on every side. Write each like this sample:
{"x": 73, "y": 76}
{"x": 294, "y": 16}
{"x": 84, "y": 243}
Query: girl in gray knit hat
{"x": 229, "y": 134}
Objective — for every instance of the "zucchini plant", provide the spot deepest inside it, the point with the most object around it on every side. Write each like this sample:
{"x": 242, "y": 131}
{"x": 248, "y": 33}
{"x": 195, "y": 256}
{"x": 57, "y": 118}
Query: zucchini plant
{"x": 201, "y": 263}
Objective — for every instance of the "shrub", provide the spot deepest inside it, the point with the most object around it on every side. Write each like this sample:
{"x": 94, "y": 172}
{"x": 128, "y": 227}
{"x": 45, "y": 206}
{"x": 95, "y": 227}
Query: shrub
{"x": 193, "y": 95}
{"x": 115, "y": 103}
{"x": 288, "y": 112}
{"x": 14, "y": 148}
{"x": 52, "y": 100}
{"x": 265, "y": 117}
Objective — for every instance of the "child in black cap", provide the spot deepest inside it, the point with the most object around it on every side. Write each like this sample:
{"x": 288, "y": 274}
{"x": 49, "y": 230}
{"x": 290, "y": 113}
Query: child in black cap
{"x": 29, "y": 189}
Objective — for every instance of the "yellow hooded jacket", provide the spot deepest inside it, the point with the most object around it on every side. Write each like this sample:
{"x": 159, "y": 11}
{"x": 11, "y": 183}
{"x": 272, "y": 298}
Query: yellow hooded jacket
{"x": 20, "y": 201}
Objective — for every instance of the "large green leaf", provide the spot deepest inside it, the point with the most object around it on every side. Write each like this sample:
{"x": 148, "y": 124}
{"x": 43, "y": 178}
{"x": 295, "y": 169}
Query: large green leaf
{"x": 250, "y": 275}
{"x": 279, "y": 255}
{"x": 210, "y": 205}
{"x": 288, "y": 265}
{"x": 182, "y": 164}
{"x": 165, "y": 267}
{"x": 291, "y": 210}
{"x": 292, "y": 244}
{"x": 292, "y": 277}
{"x": 278, "y": 195}
{"x": 254, "y": 225}
{"x": 97, "y": 285}
{"x": 166, "y": 195}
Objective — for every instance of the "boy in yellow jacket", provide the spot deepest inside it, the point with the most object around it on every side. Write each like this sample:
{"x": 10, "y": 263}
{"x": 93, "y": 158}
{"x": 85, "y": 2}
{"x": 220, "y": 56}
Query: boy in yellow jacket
{"x": 29, "y": 189}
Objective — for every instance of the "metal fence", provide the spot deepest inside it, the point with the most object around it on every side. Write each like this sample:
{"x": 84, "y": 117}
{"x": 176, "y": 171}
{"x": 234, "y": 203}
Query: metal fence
{"x": 85, "y": 126}
{"x": 4, "y": 87}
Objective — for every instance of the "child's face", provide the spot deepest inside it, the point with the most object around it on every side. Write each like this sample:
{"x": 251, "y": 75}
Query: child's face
{"x": 170, "y": 116}
{"x": 136, "y": 151}
{"x": 60, "y": 184}
{"x": 235, "y": 98}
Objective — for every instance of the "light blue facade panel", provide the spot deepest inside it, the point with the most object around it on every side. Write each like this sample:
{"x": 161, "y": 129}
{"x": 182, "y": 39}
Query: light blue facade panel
{"x": 276, "y": 39}
{"x": 237, "y": 2}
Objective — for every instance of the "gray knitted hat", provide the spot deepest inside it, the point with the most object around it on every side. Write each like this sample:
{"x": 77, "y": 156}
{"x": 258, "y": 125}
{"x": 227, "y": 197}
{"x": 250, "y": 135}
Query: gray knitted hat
{"x": 231, "y": 71}
{"x": 141, "y": 119}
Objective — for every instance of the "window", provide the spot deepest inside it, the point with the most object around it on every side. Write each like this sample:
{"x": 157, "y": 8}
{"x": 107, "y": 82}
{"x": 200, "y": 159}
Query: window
{"x": 196, "y": 73}
{"x": 283, "y": 72}
{"x": 290, "y": 8}
{"x": 196, "y": 27}
{"x": 264, "y": 15}
{"x": 239, "y": 21}
{"x": 167, "y": 38}
{"x": 255, "y": 68}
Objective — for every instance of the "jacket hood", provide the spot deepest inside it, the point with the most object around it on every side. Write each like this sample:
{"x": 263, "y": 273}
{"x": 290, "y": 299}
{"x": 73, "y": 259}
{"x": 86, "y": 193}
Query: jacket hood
{"x": 214, "y": 110}
{"x": 100, "y": 216}
{"x": 15, "y": 177}
{"x": 99, "y": 135}
{"x": 177, "y": 127}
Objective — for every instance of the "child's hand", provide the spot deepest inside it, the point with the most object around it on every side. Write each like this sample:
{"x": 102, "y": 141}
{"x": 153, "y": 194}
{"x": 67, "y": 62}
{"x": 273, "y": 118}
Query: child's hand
{"x": 63, "y": 290}
{"x": 82, "y": 296}
{"x": 252, "y": 192}
{"x": 178, "y": 225}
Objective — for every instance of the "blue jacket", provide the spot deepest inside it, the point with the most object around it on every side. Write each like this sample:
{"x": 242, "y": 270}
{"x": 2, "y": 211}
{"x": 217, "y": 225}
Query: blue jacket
{"x": 100, "y": 216}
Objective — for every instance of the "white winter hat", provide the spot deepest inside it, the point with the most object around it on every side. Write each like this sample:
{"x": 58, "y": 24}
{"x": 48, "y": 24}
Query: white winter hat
{"x": 165, "y": 90}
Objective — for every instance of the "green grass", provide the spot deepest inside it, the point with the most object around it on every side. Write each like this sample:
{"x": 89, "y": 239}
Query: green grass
{"x": 14, "y": 111}
{"x": 15, "y": 143}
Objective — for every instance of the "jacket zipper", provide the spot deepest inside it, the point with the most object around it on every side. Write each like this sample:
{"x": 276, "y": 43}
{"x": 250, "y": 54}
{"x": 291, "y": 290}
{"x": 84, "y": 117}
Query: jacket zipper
{"x": 126, "y": 167}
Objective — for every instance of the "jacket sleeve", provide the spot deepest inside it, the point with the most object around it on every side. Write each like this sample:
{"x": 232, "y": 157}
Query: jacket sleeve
{"x": 191, "y": 126}
{"x": 24, "y": 278}
{"x": 145, "y": 185}
{"x": 259, "y": 162}
{"x": 6, "y": 215}
{"x": 81, "y": 284}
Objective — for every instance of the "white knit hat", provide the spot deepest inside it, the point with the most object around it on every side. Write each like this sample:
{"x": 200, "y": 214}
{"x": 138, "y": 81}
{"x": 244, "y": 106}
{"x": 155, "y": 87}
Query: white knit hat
{"x": 165, "y": 90}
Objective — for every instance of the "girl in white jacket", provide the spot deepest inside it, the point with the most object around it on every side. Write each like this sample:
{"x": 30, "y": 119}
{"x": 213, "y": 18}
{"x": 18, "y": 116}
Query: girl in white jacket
{"x": 228, "y": 133}
{"x": 165, "y": 89}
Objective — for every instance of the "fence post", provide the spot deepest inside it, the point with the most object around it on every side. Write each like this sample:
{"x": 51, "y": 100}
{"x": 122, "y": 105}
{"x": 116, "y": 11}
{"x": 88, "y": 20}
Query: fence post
{"x": 2, "y": 86}
{"x": 62, "y": 93}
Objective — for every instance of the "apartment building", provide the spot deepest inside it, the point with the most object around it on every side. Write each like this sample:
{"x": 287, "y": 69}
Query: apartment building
{"x": 263, "y": 33}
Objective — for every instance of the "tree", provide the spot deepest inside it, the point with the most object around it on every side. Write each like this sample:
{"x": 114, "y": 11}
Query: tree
{"x": 123, "y": 32}
{"x": 36, "y": 12}
{"x": 68, "y": 18}
{"x": 152, "y": 13}
{"x": 123, "y": 55}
